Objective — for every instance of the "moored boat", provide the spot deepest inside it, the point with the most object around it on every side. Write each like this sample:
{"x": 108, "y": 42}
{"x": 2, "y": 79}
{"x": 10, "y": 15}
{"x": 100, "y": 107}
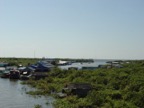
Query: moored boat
{"x": 14, "y": 74}
{"x": 5, "y": 74}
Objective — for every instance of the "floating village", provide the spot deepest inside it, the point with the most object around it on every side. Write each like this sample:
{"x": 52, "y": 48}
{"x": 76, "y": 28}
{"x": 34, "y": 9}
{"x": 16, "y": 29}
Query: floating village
{"x": 40, "y": 70}
{"x": 41, "y": 67}
{"x": 80, "y": 83}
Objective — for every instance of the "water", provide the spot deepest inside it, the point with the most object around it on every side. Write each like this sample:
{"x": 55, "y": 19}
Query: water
{"x": 13, "y": 95}
{"x": 80, "y": 65}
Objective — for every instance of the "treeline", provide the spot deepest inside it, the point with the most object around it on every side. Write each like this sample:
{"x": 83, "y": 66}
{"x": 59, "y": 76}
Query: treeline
{"x": 17, "y": 61}
{"x": 26, "y": 61}
{"x": 112, "y": 88}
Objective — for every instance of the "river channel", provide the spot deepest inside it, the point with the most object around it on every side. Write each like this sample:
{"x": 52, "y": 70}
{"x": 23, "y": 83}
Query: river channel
{"x": 13, "y": 95}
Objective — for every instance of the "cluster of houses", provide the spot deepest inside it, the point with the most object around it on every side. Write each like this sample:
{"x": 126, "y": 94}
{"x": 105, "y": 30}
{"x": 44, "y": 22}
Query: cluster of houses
{"x": 113, "y": 64}
{"x": 19, "y": 72}
{"x": 37, "y": 70}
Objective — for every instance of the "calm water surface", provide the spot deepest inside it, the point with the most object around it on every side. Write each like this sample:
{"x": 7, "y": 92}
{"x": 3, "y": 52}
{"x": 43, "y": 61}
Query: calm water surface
{"x": 13, "y": 95}
{"x": 80, "y": 65}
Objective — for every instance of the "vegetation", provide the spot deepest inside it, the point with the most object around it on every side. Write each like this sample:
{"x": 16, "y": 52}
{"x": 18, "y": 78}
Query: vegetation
{"x": 37, "y": 106}
{"x": 112, "y": 88}
{"x": 17, "y": 61}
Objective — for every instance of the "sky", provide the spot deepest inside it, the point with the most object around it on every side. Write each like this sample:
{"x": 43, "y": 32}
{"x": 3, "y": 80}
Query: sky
{"x": 99, "y": 29}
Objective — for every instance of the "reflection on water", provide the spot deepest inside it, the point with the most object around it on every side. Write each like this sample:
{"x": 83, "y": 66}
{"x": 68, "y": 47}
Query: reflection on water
{"x": 13, "y": 95}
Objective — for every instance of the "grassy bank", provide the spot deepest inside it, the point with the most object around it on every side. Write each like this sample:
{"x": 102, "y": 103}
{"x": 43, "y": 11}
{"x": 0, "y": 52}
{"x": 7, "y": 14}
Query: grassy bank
{"x": 112, "y": 88}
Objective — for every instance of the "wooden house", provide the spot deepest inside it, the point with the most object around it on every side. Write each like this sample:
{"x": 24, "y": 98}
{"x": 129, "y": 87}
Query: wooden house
{"x": 80, "y": 89}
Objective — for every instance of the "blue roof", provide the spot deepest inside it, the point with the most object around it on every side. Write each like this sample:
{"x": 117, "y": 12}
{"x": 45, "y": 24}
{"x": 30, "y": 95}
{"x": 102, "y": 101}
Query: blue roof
{"x": 42, "y": 65}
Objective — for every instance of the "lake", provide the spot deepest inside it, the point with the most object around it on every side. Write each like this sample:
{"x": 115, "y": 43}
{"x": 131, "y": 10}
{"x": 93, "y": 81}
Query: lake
{"x": 80, "y": 65}
{"x": 13, "y": 95}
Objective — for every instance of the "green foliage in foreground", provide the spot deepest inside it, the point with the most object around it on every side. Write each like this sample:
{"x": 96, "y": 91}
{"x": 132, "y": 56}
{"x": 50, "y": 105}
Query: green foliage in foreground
{"x": 112, "y": 88}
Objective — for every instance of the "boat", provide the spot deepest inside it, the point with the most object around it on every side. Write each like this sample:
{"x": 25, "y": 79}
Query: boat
{"x": 2, "y": 69}
{"x": 26, "y": 75}
{"x": 5, "y": 74}
{"x": 14, "y": 74}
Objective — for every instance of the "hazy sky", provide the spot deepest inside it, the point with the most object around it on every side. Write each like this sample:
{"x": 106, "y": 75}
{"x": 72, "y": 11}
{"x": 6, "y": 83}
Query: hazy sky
{"x": 100, "y": 29}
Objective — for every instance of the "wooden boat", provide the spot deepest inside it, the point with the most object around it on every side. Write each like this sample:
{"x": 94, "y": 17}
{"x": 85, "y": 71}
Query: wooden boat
{"x": 5, "y": 74}
{"x": 14, "y": 74}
